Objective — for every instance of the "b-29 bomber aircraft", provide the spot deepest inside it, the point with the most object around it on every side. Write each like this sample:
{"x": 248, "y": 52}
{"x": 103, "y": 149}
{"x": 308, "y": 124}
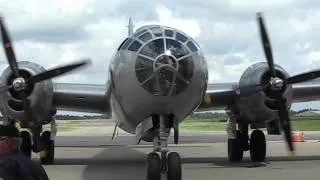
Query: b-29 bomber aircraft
{"x": 157, "y": 77}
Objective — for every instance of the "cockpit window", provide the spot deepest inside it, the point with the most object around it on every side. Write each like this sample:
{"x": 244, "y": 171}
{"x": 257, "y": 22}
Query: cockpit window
{"x": 186, "y": 67}
{"x": 122, "y": 44}
{"x": 144, "y": 68}
{"x": 165, "y": 65}
{"x": 153, "y": 48}
{"x": 168, "y": 33}
{"x": 145, "y": 37}
{"x": 126, "y": 44}
{"x": 140, "y": 32}
{"x": 135, "y": 46}
{"x": 181, "y": 37}
{"x": 176, "y": 48}
{"x": 157, "y": 31}
{"x": 192, "y": 47}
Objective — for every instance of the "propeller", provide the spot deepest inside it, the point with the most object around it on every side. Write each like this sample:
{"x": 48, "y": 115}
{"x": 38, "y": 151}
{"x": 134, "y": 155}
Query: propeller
{"x": 276, "y": 83}
{"x": 19, "y": 84}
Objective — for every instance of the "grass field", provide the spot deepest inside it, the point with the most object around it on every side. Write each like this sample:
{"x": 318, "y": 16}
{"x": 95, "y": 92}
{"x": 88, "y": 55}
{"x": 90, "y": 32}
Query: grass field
{"x": 303, "y": 123}
{"x": 306, "y": 125}
{"x": 203, "y": 125}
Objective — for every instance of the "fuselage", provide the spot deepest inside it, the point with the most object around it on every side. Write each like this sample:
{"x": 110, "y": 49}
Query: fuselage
{"x": 157, "y": 71}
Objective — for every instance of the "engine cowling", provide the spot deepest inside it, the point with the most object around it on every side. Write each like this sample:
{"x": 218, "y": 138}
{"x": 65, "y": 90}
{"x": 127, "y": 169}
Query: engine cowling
{"x": 40, "y": 94}
{"x": 261, "y": 106}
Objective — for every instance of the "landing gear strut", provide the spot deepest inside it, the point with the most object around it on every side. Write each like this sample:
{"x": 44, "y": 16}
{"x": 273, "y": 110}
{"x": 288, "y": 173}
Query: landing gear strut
{"x": 165, "y": 163}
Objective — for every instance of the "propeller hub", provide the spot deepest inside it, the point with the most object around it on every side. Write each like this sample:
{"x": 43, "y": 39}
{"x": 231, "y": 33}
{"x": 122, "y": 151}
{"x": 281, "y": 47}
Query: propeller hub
{"x": 276, "y": 84}
{"x": 19, "y": 84}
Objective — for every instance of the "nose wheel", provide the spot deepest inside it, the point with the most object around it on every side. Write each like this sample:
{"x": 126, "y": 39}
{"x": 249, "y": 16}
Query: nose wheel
{"x": 161, "y": 161}
{"x": 153, "y": 166}
{"x": 169, "y": 165}
{"x": 174, "y": 166}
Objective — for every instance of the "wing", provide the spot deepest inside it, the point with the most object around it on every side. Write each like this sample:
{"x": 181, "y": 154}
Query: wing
{"x": 307, "y": 91}
{"x": 220, "y": 96}
{"x": 82, "y": 97}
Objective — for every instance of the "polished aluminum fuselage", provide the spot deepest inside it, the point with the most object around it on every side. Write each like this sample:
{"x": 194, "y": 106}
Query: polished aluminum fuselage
{"x": 131, "y": 104}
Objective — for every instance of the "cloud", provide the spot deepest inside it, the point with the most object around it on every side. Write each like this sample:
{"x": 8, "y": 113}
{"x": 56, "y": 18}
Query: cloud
{"x": 234, "y": 59}
{"x": 167, "y": 18}
{"x": 51, "y": 33}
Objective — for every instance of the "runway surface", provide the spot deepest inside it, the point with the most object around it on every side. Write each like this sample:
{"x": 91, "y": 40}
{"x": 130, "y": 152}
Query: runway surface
{"x": 204, "y": 157}
{"x": 78, "y": 140}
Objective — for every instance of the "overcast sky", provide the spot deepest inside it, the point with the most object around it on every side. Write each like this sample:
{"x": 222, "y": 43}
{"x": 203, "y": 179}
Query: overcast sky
{"x": 53, "y": 33}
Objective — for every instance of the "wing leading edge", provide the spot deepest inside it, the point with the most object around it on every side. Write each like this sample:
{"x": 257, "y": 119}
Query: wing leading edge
{"x": 222, "y": 95}
{"x": 81, "y": 98}
{"x": 218, "y": 96}
{"x": 95, "y": 98}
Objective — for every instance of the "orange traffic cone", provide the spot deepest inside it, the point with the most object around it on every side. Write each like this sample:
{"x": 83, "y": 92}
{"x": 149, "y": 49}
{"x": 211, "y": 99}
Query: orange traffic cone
{"x": 298, "y": 136}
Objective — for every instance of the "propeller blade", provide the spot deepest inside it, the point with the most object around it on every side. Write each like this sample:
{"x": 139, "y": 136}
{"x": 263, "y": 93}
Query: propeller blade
{"x": 285, "y": 121}
{"x": 304, "y": 77}
{"x": 266, "y": 44}
{"x": 27, "y": 109}
{"x": 56, "y": 72}
{"x": 8, "y": 49}
{"x": 4, "y": 88}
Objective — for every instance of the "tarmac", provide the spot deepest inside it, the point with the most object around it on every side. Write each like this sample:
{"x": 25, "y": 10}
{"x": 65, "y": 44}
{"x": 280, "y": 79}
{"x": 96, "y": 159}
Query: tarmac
{"x": 90, "y": 156}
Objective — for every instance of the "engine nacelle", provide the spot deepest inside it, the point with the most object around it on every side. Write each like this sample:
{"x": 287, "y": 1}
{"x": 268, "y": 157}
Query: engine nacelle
{"x": 40, "y": 94}
{"x": 261, "y": 106}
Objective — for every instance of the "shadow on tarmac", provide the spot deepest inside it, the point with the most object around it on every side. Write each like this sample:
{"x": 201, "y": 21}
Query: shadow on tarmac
{"x": 128, "y": 163}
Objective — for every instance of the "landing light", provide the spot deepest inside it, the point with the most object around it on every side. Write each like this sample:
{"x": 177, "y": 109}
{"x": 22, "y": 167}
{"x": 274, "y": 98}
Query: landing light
{"x": 207, "y": 100}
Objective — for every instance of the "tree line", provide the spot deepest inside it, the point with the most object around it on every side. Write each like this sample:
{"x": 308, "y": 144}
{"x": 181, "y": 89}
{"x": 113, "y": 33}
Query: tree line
{"x": 204, "y": 115}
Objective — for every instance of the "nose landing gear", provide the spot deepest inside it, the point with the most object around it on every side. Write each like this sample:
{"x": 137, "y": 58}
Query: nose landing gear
{"x": 168, "y": 163}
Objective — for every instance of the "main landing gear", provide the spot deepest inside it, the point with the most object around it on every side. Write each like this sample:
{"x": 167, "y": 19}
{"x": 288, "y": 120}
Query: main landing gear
{"x": 161, "y": 161}
{"x": 39, "y": 143}
{"x": 256, "y": 145}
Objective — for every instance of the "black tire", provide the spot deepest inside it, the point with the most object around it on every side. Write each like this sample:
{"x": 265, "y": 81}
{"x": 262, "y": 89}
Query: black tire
{"x": 235, "y": 149}
{"x": 153, "y": 166}
{"x": 257, "y": 146}
{"x": 26, "y": 145}
{"x": 48, "y": 146}
{"x": 174, "y": 166}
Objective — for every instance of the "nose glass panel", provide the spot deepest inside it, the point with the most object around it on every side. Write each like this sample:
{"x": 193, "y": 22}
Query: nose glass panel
{"x": 164, "y": 67}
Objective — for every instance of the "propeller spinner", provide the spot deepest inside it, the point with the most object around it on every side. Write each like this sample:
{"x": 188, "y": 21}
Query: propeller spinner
{"x": 20, "y": 84}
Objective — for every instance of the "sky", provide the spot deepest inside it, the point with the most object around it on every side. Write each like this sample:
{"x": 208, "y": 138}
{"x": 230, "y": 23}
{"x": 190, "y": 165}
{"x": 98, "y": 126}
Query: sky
{"x": 58, "y": 32}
